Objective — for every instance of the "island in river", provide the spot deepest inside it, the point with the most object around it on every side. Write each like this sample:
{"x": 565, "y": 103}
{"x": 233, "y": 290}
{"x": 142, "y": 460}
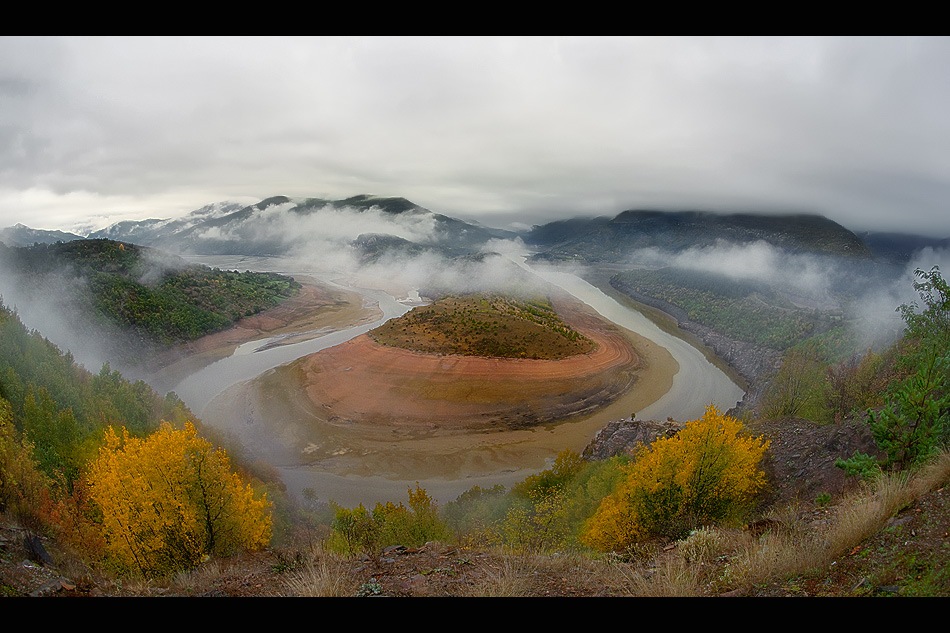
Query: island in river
{"x": 360, "y": 422}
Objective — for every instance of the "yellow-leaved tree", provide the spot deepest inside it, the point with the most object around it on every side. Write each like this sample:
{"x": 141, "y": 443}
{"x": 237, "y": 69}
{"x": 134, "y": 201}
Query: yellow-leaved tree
{"x": 708, "y": 473}
{"x": 170, "y": 499}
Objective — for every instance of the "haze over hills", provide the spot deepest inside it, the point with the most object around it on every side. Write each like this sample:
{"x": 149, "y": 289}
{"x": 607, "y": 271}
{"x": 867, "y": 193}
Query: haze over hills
{"x": 22, "y": 235}
{"x": 810, "y": 261}
{"x": 278, "y": 225}
{"x": 612, "y": 240}
{"x": 809, "y": 254}
{"x": 375, "y": 225}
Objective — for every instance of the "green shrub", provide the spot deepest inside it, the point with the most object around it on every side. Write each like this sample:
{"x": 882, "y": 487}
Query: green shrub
{"x": 358, "y": 531}
{"x": 547, "y": 511}
{"x": 860, "y": 465}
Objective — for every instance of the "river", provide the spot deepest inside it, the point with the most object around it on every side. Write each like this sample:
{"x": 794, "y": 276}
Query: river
{"x": 696, "y": 384}
{"x": 255, "y": 357}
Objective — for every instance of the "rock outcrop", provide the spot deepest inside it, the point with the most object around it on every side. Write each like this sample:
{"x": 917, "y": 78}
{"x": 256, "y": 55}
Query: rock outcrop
{"x": 624, "y": 436}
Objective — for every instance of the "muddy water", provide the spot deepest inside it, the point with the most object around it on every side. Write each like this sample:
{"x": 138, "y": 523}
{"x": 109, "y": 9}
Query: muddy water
{"x": 253, "y": 398}
{"x": 698, "y": 382}
{"x": 255, "y": 357}
{"x": 353, "y": 463}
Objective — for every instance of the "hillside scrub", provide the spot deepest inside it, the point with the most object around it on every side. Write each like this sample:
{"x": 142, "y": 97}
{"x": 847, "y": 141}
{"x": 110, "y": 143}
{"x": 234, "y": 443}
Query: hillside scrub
{"x": 706, "y": 474}
{"x": 914, "y": 422}
{"x": 62, "y": 408}
{"x": 485, "y": 325}
{"x": 58, "y": 421}
{"x": 746, "y": 311}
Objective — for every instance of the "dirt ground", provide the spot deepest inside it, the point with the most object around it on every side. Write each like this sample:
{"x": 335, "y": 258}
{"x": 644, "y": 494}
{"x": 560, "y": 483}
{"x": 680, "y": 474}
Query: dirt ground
{"x": 364, "y": 382}
{"x": 361, "y": 422}
{"x": 316, "y": 309}
{"x": 799, "y": 464}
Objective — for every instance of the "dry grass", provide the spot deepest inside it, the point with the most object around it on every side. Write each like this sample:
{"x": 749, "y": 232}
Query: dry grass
{"x": 772, "y": 555}
{"x": 198, "y": 577}
{"x": 324, "y": 576}
{"x": 703, "y": 546}
{"x": 795, "y": 548}
{"x": 510, "y": 578}
{"x": 670, "y": 577}
{"x": 935, "y": 474}
{"x": 513, "y": 574}
{"x": 715, "y": 561}
{"x": 863, "y": 514}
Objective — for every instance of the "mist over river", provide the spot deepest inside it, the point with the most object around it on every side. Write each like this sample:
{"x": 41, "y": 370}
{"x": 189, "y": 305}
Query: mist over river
{"x": 235, "y": 393}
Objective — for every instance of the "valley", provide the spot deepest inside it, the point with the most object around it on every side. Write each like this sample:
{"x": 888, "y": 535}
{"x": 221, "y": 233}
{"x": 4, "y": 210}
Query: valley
{"x": 303, "y": 387}
{"x": 472, "y": 365}
{"x": 350, "y": 421}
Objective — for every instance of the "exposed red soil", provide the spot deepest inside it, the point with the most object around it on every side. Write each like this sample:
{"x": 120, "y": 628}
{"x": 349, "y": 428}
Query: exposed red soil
{"x": 314, "y": 308}
{"x": 364, "y": 381}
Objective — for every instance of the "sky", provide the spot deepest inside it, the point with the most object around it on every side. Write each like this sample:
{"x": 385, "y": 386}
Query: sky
{"x": 508, "y": 131}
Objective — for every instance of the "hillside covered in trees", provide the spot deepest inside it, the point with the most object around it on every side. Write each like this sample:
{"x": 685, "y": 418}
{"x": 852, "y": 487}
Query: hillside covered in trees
{"x": 159, "y": 297}
{"x": 113, "y": 469}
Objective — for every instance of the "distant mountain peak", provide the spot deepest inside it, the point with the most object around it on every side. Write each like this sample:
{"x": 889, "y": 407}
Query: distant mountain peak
{"x": 21, "y": 235}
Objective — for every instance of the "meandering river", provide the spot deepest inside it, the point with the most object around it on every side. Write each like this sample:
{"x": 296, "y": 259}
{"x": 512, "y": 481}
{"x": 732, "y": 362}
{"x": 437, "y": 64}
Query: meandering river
{"x": 696, "y": 384}
{"x": 255, "y": 357}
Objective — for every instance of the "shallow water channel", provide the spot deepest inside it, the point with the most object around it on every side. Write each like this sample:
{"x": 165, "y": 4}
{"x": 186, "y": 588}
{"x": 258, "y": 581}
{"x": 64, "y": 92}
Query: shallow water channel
{"x": 697, "y": 384}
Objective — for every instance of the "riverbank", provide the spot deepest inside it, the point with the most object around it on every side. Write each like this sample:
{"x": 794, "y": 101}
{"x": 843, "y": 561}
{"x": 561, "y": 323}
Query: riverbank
{"x": 325, "y": 446}
{"x": 293, "y": 416}
{"x": 317, "y": 309}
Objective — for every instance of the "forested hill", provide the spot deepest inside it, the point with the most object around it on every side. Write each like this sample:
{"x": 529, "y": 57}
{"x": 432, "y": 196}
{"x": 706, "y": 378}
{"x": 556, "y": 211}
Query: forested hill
{"x": 62, "y": 408}
{"x": 612, "y": 239}
{"x": 161, "y": 298}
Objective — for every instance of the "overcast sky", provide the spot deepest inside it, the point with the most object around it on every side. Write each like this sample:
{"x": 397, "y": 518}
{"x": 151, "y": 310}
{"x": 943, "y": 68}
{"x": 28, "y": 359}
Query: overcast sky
{"x": 514, "y": 129}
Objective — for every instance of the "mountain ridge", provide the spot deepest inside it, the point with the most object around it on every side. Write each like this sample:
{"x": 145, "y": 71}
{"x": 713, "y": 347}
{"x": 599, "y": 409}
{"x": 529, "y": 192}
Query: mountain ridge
{"x": 234, "y": 228}
{"x": 600, "y": 239}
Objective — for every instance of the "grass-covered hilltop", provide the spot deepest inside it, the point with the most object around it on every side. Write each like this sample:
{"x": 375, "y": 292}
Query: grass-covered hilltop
{"x": 485, "y": 325}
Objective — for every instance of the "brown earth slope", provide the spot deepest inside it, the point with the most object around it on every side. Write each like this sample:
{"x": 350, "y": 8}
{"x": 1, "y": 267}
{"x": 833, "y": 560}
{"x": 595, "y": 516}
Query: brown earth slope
{"x": 315, "y": 310}
{"x": 365, "y": 382}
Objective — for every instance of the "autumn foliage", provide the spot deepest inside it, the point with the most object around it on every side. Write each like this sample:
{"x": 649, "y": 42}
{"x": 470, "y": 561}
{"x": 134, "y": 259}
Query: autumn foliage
{"x": 171, "y": 499}
{"x": 705, "y": 474}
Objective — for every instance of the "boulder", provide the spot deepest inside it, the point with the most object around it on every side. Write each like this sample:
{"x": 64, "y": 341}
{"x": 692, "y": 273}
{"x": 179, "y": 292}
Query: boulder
{"x": 625, "y": 435}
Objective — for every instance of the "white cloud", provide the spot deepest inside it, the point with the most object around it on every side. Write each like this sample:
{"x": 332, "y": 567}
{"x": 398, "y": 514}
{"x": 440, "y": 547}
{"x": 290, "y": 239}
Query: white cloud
{"x": 532, "y": 128}
{"x": 756, "y": 261}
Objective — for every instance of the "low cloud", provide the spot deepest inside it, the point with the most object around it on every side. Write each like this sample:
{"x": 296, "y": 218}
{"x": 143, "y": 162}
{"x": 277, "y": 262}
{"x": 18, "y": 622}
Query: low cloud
{"x": 326, "y": 226}
{"x": 868, "y": 293}
{"x": 812, "y": 276}
{"x": 48, "y": 306}
{"x": 494, "y": 270}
